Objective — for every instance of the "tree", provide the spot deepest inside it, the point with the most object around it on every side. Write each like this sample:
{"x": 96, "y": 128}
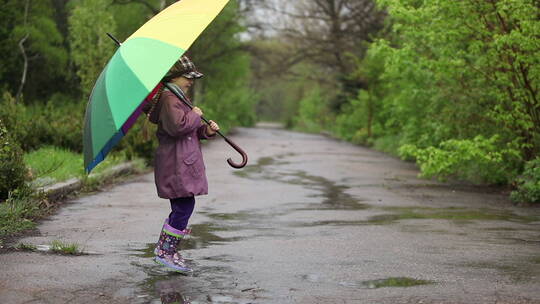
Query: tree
{"x": 324, "y": 31}
{"x": 32, "y": 49}
{"x": 90, "y": 47}
{"x": 323, "y": 34}
{"x": 459, "y": 85}
{"x": 219, "y": 53}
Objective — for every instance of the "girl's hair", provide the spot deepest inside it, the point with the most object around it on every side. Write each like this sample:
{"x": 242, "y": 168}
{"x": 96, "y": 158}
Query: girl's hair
{"x": 153, "y": 103}
{"x": 148, "y": 109}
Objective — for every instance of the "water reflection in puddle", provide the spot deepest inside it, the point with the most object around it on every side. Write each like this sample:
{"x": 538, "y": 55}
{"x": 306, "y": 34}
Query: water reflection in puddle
{"x": 334, "y": 196}
{"x": 211, "y": 282}
{"x": 369, "y": 284}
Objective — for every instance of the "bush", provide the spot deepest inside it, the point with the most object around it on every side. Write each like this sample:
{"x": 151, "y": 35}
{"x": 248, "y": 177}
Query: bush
{"x": 352, "y": 121}
{"x": 528, "y": 185}
{"x": 62, "y": 122}
{"x": 59, "y": 122}
{"x": 12, "y": 169}
{"x": 140, "y": 141}
{"x": 312, "y": 113}
{"x": 15, "y": 119}
{"x": 479, "y": 160}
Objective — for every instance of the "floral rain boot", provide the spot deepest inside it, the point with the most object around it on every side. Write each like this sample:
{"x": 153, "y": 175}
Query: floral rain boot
{"x": 169, "y": 242}
{"x": 186, "y": 232}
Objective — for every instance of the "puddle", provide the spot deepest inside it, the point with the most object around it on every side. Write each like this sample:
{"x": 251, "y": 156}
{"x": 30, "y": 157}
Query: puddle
{"x": 208, "y": 284}
{"x": 395, "y": 282}
{"x": 455, "y": 214}
{"x": 201, "y": 237}
{"x": 329, "y": 223}
{"x": 171, "y": 287}
{"x": 174, "y": 298}
{"x": 312, "y": 278}
{"x": 333, "y": 194}
{"x": 250, "y": 223}
{"x": 462, "y": 215}
{"x": 371, "y": 284}
{"x": 250, "y": 170}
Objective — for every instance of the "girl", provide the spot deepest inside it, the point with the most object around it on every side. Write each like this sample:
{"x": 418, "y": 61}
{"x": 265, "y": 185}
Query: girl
{"x": 179, "y": 169}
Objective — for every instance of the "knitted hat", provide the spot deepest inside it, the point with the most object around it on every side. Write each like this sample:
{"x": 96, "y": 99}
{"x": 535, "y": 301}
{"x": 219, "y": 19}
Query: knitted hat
{"x": 183, "y": 67}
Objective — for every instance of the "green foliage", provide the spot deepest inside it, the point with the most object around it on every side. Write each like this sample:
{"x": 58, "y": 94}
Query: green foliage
{"x": 58, "y": 122}
{"x": 16, "y": 215}
{"x": 140, "y": 141}
{"x": 26, "y": 247}
{"x": 351, "y": 123}
{"x": 360, "y": 119}
{"x": 12, "y": 169}
{"x": 128, "y": 18}
{"x": 226, "y": 97}
{"x": 61, "y": 247}
{"x": 477, "y": 160}
{"x": 44, "y": 46}
{"x": 224, "y": 93}
{"x": 458, "y": 70}
{"x": 313, "y": 112}
{"x": 528, "y": 184}
{"x": 90, "y": 47}
{"x": 456, "y": 84}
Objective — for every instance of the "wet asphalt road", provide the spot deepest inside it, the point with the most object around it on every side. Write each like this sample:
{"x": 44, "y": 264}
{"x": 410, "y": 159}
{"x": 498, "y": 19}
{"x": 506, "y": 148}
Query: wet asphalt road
{"x": 310, "y": 220}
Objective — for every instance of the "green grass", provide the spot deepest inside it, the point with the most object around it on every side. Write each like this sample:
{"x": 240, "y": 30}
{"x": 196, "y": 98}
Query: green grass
{"x": 58, "y": 246}
{"x": 16, "y": 215}
{"x": 52, "y": 164}
{"x": 26, "y": 247}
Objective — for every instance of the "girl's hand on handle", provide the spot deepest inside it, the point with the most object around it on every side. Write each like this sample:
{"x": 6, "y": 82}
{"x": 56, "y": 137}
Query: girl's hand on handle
{"x": 212, "y": 128}
{"x": 197, "y": 111}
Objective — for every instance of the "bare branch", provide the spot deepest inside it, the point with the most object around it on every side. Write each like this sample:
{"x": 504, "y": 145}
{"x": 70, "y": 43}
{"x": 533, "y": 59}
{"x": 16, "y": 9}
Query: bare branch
{"x": 23, "y": 51}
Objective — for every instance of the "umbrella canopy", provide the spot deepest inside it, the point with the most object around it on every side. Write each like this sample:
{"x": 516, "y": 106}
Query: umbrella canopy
{"x": 135, "y": 69}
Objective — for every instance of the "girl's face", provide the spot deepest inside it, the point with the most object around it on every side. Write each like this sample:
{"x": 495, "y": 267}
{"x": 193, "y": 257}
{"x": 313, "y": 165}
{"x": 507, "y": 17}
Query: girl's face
{"x": 183, "y": 82}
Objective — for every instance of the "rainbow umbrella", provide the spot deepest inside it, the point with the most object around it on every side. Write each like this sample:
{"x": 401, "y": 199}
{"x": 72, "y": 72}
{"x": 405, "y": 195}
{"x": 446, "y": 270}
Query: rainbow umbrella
{"x": 132, "y": 73}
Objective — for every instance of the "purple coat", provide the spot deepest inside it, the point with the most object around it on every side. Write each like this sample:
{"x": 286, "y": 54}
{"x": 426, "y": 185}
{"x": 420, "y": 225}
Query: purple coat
{"x": 179, "y": 167}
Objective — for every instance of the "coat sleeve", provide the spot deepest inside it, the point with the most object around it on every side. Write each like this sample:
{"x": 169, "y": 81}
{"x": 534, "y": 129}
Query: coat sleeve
{"x": 174, "y": 120}
{"x": 201, "y": 132}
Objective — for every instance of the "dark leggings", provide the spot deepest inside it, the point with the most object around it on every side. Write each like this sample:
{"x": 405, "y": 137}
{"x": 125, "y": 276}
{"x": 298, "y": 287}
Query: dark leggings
{"x": 182, "y": 208}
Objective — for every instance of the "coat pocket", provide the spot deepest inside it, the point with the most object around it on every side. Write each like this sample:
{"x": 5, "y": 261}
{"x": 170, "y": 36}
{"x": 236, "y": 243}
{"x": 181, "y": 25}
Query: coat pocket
{"x": 192, "y": 164}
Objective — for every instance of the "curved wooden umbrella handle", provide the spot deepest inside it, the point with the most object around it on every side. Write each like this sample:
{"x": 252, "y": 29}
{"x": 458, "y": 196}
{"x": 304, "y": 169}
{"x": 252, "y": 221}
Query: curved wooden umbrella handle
{"x": 239, "y": 150}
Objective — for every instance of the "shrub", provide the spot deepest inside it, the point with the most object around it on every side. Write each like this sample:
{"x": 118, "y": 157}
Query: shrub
{"x": 312, "y": 113}
{"x": 479, "y": 160}
{"x": 15, "y": 118}
{"x": 528, "y": 184}
{"x": 59, "y": 122}
{"x": 351, "y": 124}
{"x": 12, "y": 169}
{"x": 140, "y": 141}
{"x": 62, "y": 122}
